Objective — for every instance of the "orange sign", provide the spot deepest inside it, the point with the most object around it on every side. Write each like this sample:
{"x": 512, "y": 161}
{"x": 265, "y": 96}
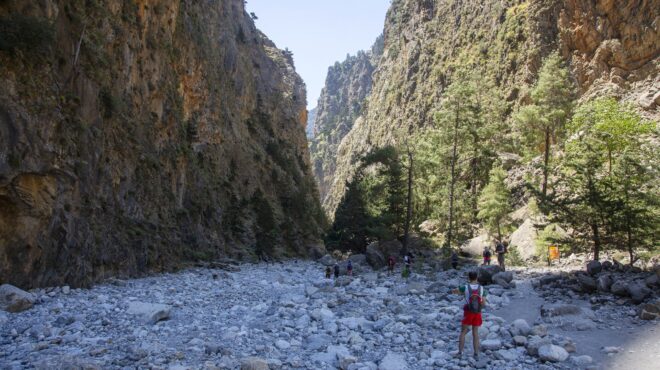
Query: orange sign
{"x": 553, "y": 252}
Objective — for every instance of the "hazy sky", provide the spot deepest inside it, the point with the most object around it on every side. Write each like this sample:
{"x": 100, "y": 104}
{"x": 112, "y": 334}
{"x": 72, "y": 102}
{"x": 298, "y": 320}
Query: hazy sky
{"x": 320, "y": 32}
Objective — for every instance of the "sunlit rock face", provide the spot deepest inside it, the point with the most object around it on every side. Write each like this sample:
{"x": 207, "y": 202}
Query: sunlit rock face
{"x": 138, "y": 135}
{"x": 611, "y": 49}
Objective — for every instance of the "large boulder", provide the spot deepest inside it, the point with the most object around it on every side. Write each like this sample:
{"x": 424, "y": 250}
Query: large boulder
{"x": 375, "y": 258}
{"x": 536, "y": 342}
{"x": 390, "y": 248}
{"x": 475, "y": 246}
{"x": 594, "y": 267}
{"x": 504, "y": 279}
{"x": 650, "y": 311}
{"x": 327, "y": 260}
{"x": 638, "y": 291}
{"x": 552, "y": 353}
{"x": 604, "y": 283}
{"x": 13, "y": 299}
{"x": 619, "y": 288}
{"x": 520, "y": 327}
{"x": 430, "y": 227}
{"x": 358, "y": 259}
{"x": 524, "y": 239}
{"x": 149, "y": 313}
{"x": 486, "y": 274}
{"x": 587, "y": 283}
{"x": 317, "y": 251}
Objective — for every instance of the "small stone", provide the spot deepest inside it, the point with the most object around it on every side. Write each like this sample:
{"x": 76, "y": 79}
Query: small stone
{"x": 393, "y": 361}
{"x": 254, "y": 363}
{"x": 282, "y": 344}
{"x": 582, "y": 360}
{"x": 594, "y": 267}
{"x": 552, "y": 353}
{"x": 519, "y": 340}
{"x": 609, "y": 350}
{"x": 491, "y": 344}
{"x": 520, "y": 327}
{"x": 150, "y": 313}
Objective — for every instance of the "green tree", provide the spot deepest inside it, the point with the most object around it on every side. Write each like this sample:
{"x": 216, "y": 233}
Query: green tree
{"x": 494, "y": 202}
{"x": 542, "y": 122}
{"x": 349, "y": 229}
{"x": 606, "y": 187}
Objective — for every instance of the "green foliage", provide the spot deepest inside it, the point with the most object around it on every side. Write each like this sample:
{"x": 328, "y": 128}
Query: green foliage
{"x": 551, "y": 235}
{"x": 29, "y": 35}
{"x": 494, "y": 202}
{"x": 541, "y": 124}
{"x": 607, "y": 182}
{"x": 513, "y": 257}
{"x": 267, "y": 230}
{"x": 373, "y": 204}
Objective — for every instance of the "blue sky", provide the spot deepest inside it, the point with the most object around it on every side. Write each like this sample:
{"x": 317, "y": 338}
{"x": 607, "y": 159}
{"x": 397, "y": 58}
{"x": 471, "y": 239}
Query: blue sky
{"x": 320, "y": 32}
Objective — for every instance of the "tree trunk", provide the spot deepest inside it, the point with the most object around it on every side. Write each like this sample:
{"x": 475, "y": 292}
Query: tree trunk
{"x": 630, "y": 244}
{"x": 546, "y": 161}
{"x": 409, "y": 201}
{"x": 452, "y": 183}
{"x": 596, "y": 238}
{"x": 499, "y": 231}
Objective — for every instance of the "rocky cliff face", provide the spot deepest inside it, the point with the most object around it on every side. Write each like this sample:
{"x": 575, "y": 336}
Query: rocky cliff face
{"x": 342, "y": 100}
{"x": 135, "y": 135}
{"x": 612, "y": 49}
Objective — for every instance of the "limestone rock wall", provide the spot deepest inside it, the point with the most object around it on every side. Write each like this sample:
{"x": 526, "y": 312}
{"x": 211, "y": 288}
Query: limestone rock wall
{"x": 137, "y": 135}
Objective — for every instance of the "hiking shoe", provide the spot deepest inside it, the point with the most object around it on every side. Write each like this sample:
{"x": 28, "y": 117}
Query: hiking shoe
{"x": 458, "y": 355}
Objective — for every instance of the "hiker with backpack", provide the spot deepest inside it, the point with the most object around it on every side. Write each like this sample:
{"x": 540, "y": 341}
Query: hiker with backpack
{"x": 349, "y": 268}
{"x": 328, "y": 272}
{"x": 487, "y": 254}
{"x": 475, "y": 301}
{"x": 336, "y": 270}
{"x": 500, "y": 249}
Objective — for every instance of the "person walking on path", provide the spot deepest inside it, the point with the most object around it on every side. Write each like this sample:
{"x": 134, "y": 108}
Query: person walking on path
{"x": 454, "y": 260}
{"x": 500, "y": 249}
{"x": 336, "y": 270}
{"x": 390, "y": 265}
{"x": 328, "y": 272}
{"x": 487, "y": 254}
{"x": 349, "y": 268}
{"x": 475, "y": 300}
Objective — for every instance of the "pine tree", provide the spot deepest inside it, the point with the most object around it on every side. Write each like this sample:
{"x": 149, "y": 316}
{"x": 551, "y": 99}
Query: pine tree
{"x": 542, "y": 122}
{"x": 494, "y": 202}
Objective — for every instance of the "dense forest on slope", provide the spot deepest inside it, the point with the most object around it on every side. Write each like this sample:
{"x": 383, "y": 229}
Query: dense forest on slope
{"x": 138, "y": 135}
{"x": 510, "y": 114}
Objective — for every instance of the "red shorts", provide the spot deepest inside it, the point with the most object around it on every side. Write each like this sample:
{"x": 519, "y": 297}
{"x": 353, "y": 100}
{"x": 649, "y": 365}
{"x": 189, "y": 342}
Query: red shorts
{"x": 471, "y": 318}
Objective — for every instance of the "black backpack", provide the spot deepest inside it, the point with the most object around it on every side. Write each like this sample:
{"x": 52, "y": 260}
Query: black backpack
{"x": 474, "y": 304}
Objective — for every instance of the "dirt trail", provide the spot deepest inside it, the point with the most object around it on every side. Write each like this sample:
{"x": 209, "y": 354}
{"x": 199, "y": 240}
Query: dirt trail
{"x": 640, "y": 344}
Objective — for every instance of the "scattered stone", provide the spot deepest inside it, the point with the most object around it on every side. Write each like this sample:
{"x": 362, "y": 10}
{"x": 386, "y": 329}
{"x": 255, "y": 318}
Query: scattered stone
{"x": 583, "y": 360}
{"x": 650, "y": 311}
{"x": 552, "y": 353}
{"x": 254, "y": 363}
{"x": 13, "y": 299}
{"x": 611, "y": 349}
{"x": 393, "y": 361}
{"x": 604, "y": 283}
{"x": 587, "y": 283}
{"x": 491, "y": 344}
{"x": 638, "y": 292}
{"x": 520, "y": 327}
{"x": 536, "y": 342}
{"x": 150, "y": 313}
{"x": 552, "y": 310}
{"x": 282, "y": 344}
{"x": 519, "y": 340}
{"x": 327, "y": 260}
{"x": 619, "y": 288}
{"x": 486, "y": 273}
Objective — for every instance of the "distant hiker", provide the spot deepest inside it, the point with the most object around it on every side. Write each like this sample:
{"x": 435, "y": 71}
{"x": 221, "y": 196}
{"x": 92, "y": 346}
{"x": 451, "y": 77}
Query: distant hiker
{"x": 336, "y": 270}
{"x": 390, "y": 264}
{"x": 328, "y": 272}
{"x": 487, "y": 254}
{"x": 475, "y": 300}
{"x": 349, "y": 268}
{"x": 500, "y": 249}
{"x": 454, "y": 260}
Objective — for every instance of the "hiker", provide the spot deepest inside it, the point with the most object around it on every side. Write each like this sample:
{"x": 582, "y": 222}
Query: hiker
{"x": 487, "y": 254}
{"x": 475, "y": 300}
{"x": 454, "y": 260}
{"x": 390, "y": 264}
{"x": 500, "y": 249}
{"x": 336, "y": 270}
{"x": 349, "y": 268}
{"x": 328, "y": 272}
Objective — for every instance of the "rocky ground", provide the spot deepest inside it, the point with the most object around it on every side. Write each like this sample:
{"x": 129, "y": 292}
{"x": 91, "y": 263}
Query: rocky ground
{"x": 288, "y": 316}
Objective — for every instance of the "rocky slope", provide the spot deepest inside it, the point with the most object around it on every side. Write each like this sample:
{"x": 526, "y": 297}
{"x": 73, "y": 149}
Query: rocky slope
{"x": 342, "y": 100}
{"x": 137, "y": 135}
{"x": 311, "y": 118}
{"x": 612, "y": 49}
